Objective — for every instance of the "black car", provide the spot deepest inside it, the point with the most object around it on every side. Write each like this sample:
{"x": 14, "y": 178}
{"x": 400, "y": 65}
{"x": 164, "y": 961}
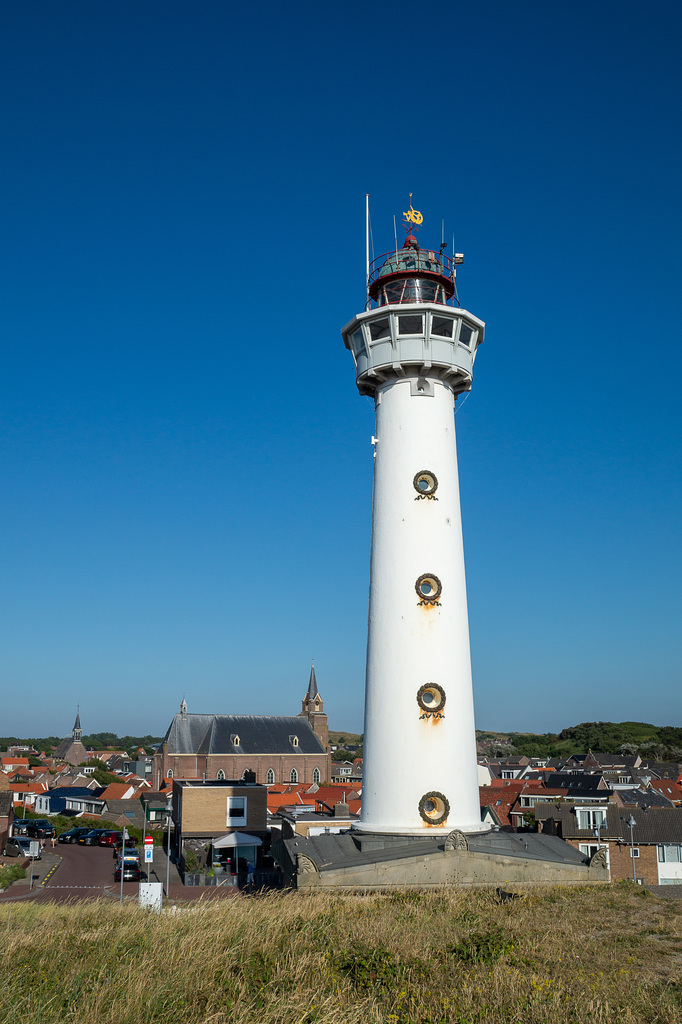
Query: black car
{"x": 40, "y": 828}
{"x": 90, "y": 838}
{"x": 72, "y": 835}
{"x": 131, "y": 870}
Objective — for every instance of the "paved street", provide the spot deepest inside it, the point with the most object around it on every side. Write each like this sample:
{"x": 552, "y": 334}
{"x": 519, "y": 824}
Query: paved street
{"x": 74, "y": 873}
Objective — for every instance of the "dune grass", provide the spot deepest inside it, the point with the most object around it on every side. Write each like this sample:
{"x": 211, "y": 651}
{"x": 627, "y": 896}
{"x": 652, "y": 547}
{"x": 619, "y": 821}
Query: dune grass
{"x": 610, "y": 954}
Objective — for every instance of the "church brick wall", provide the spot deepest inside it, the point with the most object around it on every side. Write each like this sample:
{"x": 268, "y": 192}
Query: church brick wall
{"x": 193, "y": 766}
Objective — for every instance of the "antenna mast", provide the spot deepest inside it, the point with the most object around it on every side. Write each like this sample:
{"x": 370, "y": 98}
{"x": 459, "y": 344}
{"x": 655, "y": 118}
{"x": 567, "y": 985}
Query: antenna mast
{"x": 367, "y": 246}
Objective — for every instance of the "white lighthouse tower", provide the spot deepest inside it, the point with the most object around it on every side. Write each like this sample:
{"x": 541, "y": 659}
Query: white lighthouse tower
{"x": 414, "y": 350}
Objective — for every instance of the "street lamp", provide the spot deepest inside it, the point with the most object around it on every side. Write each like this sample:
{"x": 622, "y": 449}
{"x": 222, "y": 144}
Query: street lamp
{"x": 169, "y": 808}
{"x": 631, "y": 825}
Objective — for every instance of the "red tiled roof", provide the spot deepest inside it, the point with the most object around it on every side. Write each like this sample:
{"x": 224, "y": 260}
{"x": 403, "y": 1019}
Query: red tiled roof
{"x": 668, "y": 788}
{"x": 115, "y": 791}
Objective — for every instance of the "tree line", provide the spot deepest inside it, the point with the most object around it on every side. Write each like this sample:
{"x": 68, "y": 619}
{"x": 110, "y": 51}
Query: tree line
{"x": 94, "y": 741}
{"x": 662, "y": 743}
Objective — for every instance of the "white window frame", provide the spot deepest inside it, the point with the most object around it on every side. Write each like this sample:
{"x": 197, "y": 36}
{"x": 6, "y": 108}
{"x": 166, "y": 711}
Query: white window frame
{"x": 596, "y": 816}
{"x": 663, "y": 849}
{"x": 233, "y": 820}
{"x": 270, "y": 777}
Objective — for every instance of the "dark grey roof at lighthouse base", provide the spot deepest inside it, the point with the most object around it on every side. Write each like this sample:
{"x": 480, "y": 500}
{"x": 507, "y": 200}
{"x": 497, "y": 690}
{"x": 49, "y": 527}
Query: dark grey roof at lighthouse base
{"x": 256, "y": 734}
{"x": 361, "y": 860}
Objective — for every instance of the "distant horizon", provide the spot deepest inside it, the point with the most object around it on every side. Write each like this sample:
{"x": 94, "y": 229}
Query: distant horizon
{"x": 156, "y": 737}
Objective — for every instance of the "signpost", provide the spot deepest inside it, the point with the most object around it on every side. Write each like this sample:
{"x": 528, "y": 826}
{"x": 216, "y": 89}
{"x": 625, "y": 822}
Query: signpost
{"x": 33, "y": 852}
{"x": 123, "y": 853}
{"x": 148, "y": 850}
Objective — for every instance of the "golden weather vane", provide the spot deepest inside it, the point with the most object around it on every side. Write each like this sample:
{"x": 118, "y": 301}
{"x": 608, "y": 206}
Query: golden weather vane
{"x": 413, "y": 216}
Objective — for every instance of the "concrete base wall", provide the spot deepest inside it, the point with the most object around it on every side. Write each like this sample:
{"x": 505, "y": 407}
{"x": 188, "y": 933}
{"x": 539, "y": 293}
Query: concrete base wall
{"x": 455, "y": 867}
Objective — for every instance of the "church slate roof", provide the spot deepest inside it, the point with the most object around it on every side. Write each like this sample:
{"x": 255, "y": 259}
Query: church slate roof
{"x": 70, "y": 750}
{"x": 313, "y": 691}
{"x": 258, "y": 734}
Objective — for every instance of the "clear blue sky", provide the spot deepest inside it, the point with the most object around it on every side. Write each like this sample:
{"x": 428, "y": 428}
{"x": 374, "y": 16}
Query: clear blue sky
{"x": 185, "y": 459}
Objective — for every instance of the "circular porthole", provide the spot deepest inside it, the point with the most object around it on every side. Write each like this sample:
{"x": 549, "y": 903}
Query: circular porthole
{"x": 434, "y": 808}
{"x": 431, "y": 697}
{"x": 425, "y": 483}
{"x": 428, "y": 587}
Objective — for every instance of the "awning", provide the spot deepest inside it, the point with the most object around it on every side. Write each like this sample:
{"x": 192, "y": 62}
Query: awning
{"x": 236, "y": 839}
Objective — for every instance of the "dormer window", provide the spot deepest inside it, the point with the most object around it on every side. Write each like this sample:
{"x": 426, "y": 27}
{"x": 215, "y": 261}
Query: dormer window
{"x": 293, "y": 740}
{"x": 234, "y": 740}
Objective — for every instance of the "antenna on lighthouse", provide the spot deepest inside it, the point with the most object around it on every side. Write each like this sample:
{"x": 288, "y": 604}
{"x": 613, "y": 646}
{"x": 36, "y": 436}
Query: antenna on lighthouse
{"x": 367, "y": 246}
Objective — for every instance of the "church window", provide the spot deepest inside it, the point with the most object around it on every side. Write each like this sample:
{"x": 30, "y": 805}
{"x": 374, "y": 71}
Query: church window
{"x": 246, "y": 772}
{"x": 270, "y": 779}
{"x": 220, "y": 775}
{"x": 316, "y": 776}
{"x": 169, "y": 773}
{"x": 293, "y": 776}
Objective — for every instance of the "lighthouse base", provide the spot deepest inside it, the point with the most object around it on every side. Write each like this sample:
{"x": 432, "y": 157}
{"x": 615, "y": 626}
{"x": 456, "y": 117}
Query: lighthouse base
{"x": 374, "y": 861}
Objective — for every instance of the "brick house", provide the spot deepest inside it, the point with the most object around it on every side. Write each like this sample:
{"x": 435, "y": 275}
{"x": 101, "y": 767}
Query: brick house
{"x": 655, "y": 849}
{"x": 204, "y": 812}
{"x": 274, "y": 749}
{"x": 6, "y": 817}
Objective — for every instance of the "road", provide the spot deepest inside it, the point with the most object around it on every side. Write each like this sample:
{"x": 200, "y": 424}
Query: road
{"x": 72, "y": 873}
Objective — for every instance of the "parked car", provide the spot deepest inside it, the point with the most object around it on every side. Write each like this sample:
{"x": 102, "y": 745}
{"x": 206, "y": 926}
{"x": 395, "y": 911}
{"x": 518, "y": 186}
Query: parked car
{"x": 40, "y": 828}
{"x": 20, "y": 825}
{"x": 20, "y": 846}
{"x": 131, "y": 869}
{"x": 72, "y": 835}
{"x": 90, "y": 838}
{"x": 131, "y": 844}
{"x": 109, "y": 837}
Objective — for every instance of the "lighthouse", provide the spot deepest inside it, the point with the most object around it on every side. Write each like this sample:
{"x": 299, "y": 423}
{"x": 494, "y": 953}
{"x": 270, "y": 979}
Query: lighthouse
{"x": 414, "y": 349}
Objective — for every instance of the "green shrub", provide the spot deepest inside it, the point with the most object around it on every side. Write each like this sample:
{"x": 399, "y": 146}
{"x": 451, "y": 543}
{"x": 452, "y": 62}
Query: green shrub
{"x": 10, "y": 874}
{"x": 191, "y": 862}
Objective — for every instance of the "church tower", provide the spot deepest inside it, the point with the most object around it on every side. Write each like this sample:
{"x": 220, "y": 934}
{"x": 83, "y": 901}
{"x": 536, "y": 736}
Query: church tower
{"x": 77, "y": 732}
{"x": 312, "y": 708}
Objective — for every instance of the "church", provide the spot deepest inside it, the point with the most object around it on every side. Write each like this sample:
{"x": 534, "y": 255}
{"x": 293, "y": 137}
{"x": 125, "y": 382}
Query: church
{"x": 268, "y": 749}
{"x": 71, "y": 749}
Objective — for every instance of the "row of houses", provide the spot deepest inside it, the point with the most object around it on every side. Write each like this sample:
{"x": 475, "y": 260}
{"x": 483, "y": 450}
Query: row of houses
{"x": 625, "y": 806}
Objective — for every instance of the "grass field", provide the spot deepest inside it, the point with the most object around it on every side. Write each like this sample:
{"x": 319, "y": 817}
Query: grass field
{"x": 611, "y": 955}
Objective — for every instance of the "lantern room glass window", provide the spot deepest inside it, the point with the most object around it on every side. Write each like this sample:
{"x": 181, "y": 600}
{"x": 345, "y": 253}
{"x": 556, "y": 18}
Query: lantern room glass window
{"x": 357, "y": 342}
{"x": 467, "y": 335}
{"x": 379, "y": 329}
{"x": 410, "y": 325}
{"x": 442, "y": 327}
{"x": 411, "y": 289}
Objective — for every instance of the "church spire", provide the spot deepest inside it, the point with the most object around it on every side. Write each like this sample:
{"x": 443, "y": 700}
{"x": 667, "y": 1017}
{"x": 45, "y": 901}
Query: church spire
{"x": 313, "y": 691}
{"x": 77, "y": 732}
{"x": 312, "y": 708}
